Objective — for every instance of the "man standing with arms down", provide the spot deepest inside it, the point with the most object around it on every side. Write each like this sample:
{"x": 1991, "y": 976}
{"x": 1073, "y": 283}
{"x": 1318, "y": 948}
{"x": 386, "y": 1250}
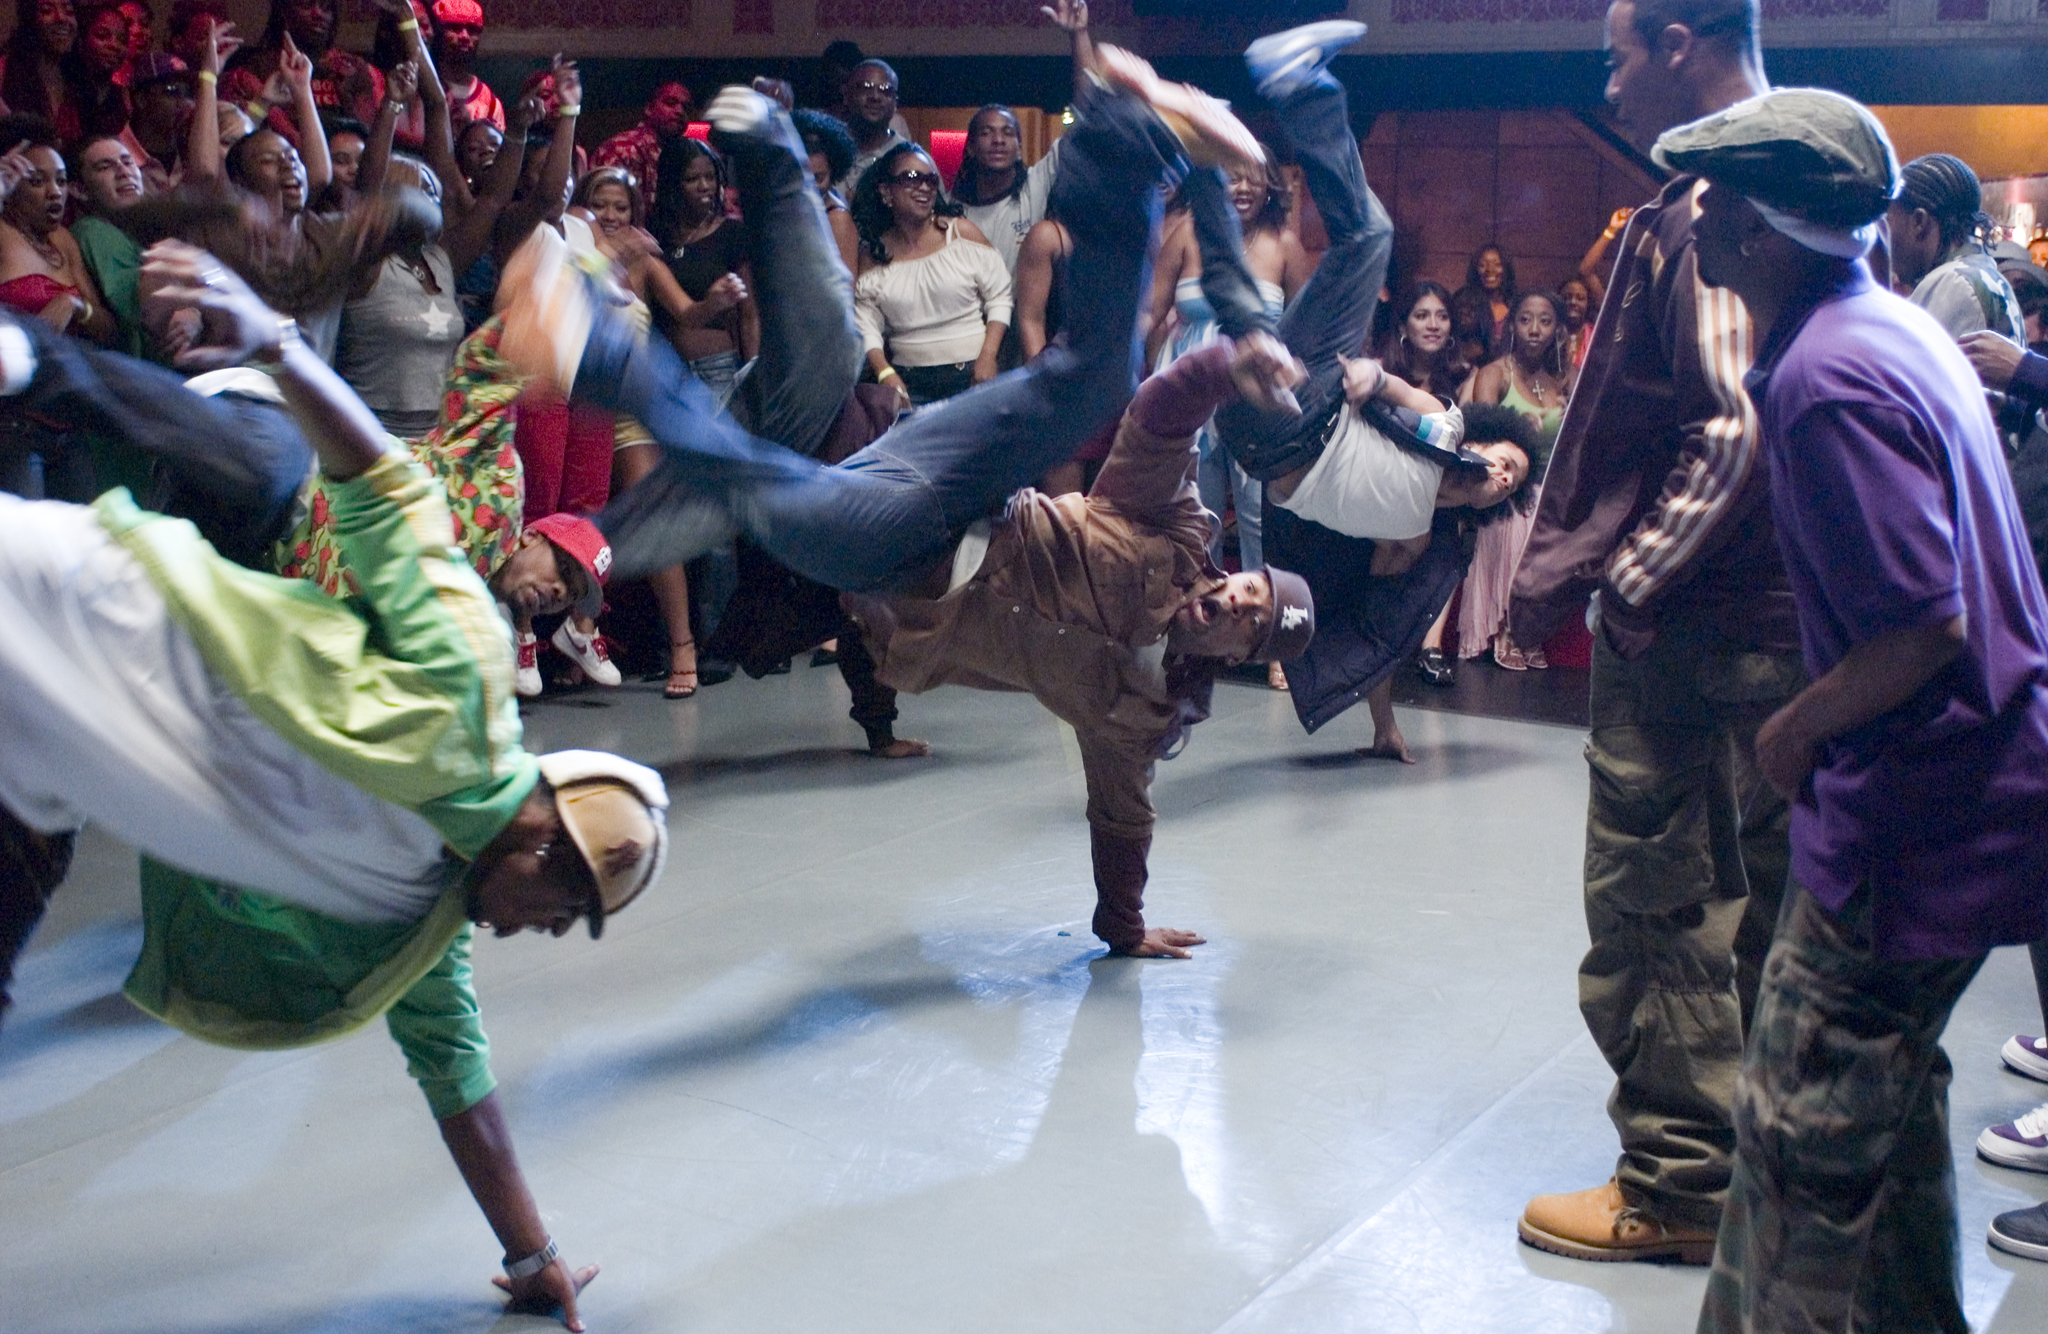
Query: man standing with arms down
{"x": 1916, "y": 762}
{"x": 1657, "y": 506}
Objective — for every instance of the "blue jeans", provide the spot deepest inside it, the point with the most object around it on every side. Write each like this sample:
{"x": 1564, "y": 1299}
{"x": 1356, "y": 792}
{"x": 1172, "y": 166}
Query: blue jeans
{"x": 1332, "y": 314}
{"x": 892, "y": 510}
{"x": 1220, "y": 482}
{"x": 810, "y": 354}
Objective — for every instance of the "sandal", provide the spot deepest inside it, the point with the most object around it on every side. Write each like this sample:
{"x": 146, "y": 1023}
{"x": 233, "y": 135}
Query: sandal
{"x": 682, "y": 681}
{"x": 1506, "y": 654}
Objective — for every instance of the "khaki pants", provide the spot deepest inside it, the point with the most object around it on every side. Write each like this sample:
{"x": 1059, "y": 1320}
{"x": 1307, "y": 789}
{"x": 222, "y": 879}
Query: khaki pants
{"x": 1686, "y": 857}
{"x": 1842, "y": 1213}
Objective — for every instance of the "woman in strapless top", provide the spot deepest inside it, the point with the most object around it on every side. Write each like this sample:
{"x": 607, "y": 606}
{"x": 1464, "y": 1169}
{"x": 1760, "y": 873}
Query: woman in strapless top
{"x": 1183, "y": 321}
{"x": 42, "y": 273}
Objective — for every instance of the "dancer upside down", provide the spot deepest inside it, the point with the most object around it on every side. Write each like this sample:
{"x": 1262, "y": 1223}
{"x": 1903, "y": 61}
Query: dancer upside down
{"x": 329, "y": 794}
{"x": 1104, "y": 607}
{"x": 1376, "y": 489}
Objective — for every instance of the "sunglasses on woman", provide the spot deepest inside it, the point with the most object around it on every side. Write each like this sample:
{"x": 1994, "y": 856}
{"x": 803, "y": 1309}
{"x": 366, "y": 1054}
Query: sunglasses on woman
{"x": 916, "y": 178}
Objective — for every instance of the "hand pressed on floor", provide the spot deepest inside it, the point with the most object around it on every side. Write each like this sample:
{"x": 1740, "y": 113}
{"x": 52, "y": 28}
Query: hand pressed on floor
{"x": 1164, "y": 942}
{"x": 552, "y": 1289}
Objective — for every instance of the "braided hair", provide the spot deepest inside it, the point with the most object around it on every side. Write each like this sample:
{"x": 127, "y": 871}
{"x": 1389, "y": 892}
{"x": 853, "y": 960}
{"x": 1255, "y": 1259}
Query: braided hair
{"x": 1945, "y": 186}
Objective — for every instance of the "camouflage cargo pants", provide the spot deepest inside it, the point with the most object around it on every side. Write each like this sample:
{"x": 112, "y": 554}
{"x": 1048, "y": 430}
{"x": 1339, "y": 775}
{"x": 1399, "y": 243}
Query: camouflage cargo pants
{"x": 1842, "y": 1213}
{"x": 1686, "y": 856}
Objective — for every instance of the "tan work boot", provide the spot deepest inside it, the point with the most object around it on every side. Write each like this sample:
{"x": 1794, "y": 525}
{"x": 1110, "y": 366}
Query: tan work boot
{"x": 1598, "y": 1224}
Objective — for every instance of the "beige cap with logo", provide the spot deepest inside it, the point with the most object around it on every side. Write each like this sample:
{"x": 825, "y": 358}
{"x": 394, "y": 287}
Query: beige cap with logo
{"x": 614, "y": 812}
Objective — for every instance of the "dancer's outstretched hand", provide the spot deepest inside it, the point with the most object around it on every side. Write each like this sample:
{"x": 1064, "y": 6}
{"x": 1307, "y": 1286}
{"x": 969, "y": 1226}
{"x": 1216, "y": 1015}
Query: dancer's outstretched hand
{"x": 1070, "y": 15}
{"x": 1164, "y": 942}
{"x": 233, "y": 322}
{"x": 1266, "y": 373}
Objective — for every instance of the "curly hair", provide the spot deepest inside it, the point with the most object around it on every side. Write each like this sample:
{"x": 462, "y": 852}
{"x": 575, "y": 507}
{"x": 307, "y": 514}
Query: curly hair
{"x": 872, "y": 217}
{"x": 1489, "y": 423}
{"x": 824, "y": 133}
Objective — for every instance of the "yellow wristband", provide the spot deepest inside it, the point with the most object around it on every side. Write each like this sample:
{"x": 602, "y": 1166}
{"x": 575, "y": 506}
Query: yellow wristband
{"x": 208, "y": 77}
{"x": 408, "y": 25}
{"x": 565, "y": 113}
{"x": 885, "y": 373}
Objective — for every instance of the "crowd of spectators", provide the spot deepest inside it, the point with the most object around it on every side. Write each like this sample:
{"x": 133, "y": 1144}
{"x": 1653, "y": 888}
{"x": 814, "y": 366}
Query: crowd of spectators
{"x": 110, "y": 140}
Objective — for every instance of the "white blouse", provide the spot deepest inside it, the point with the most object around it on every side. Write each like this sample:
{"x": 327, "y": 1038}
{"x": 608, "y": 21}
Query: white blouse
{"x": 933, "y": 311}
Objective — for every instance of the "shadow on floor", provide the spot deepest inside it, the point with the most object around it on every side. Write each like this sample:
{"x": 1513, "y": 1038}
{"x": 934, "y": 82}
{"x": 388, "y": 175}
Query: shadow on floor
{"x": 1556, "y": 695}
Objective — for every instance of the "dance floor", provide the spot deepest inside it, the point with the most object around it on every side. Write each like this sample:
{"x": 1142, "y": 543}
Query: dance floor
{"x": 857, "y": 1063}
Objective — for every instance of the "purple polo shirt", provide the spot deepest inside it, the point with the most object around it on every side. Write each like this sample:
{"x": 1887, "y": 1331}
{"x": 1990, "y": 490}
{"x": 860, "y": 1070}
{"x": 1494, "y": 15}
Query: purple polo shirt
{"x": 1894, "y": 510}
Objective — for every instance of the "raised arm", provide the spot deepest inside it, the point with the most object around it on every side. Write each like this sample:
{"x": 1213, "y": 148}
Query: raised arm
{"x": 469, "y": 236}
{"x": 1072, "y": 15}
{"x": 202, "y": 141}
{"x": 1594, "y": 267}
{"x": 297, "y": 68}
{"x": 399, "y": 89}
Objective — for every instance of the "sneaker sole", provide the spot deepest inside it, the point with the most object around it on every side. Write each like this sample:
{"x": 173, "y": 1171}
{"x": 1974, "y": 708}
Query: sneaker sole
{"x": 1679, "y": 1252}
{"x": 2023, "y": 1062}
{"x": 2002, "y": 1151}
{"x": 2026, "y": 1250}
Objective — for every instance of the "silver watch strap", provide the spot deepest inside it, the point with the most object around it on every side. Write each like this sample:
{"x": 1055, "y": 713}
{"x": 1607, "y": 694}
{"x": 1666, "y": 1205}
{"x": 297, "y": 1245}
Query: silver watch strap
{"x": 534, "y": 1263}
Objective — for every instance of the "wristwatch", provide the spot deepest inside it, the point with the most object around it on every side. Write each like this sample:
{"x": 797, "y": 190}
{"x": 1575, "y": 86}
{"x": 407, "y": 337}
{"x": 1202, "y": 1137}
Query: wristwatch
{"x": 287, "y": 339}
{"x": 532, "y": 1264}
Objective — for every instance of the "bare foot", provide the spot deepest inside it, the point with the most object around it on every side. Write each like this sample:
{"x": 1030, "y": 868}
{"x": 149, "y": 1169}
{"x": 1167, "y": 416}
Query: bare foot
{"x": 1389, "y": 745}
{"x": 902, "y": 748}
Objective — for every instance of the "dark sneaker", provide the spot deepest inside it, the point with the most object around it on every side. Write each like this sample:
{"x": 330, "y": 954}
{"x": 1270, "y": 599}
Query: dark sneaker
{"x": 2023, "y": 1232}
{"x": 2026, "y": 1055}
{"x": 2022, "y": 1143}
{"x": 1290, "y": 61}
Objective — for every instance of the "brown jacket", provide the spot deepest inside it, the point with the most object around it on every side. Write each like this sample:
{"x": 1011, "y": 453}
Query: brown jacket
{"x": 1072, "y": 604}
{"x": 1656, "y": 493}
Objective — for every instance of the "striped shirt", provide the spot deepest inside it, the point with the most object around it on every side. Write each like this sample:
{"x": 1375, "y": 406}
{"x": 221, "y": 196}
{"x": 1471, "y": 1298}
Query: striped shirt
{"x": 1656, "y": 494}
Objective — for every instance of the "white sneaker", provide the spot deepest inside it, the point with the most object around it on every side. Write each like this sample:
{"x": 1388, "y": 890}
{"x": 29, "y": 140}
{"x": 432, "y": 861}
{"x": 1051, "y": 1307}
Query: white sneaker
{"x": 589, "y": 654}
{"x": 2025, "y": 1055}
{"x": 2022, "y": 1143}
{"x": 526, "y": 680}
{"x": 738, "y": 110}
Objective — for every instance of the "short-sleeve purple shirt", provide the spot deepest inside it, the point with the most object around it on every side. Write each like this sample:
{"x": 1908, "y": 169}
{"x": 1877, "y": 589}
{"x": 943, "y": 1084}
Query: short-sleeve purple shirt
{"x": 1895, "y": 511}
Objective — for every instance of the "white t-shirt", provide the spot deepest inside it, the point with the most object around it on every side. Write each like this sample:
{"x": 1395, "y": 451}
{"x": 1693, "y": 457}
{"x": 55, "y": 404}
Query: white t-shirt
{"x": 1365, "y": 485}
{"x": 1006, "y": 222}
{"x": 110, "y": 715}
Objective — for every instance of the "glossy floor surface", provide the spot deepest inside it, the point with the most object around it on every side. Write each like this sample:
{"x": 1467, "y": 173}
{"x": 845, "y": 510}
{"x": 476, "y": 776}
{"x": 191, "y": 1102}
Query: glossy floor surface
{"x": 858, "y": 1065}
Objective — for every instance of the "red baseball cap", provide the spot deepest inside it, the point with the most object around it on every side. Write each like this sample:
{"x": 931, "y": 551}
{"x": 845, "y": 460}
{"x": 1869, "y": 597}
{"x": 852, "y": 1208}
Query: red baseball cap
{"x": 580, "y": 538}
{"x": 466, "y": 12}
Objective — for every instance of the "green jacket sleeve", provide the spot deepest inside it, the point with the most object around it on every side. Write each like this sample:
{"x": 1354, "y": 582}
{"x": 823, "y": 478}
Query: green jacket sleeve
{"x": 437, "y": 1026}
{"x": 405, "y": 692}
